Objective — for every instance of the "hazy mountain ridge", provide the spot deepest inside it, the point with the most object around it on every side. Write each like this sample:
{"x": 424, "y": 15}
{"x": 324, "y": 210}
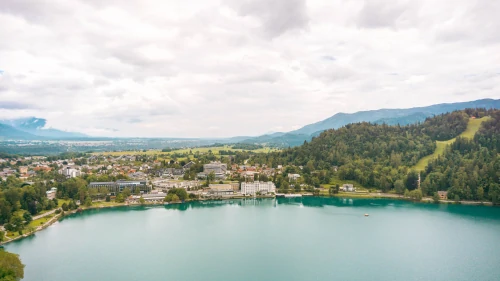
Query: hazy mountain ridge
{"x": 35, "y": 129}
{"x": 388, "y": 116}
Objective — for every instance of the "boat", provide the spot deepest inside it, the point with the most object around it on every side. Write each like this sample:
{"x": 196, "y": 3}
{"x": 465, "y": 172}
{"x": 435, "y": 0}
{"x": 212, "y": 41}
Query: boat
{"x": 366, "y": 215}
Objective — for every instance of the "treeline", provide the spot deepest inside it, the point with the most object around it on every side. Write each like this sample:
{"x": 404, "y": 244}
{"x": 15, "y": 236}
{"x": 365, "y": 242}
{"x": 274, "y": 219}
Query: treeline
{"x": 247, "y": 146}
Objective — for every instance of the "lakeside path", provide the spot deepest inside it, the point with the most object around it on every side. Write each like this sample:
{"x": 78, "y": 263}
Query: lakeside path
{"x": 45, "y": 214}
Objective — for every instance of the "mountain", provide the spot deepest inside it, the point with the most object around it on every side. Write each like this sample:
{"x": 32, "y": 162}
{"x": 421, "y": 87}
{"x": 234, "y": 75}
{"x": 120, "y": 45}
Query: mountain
{"x": 381, "y": 116}
{"x": 36, "y": 128}
{"x": 414, "y": 118}
{"x": 9, "y": 132}
{"x": 341, "y": 119}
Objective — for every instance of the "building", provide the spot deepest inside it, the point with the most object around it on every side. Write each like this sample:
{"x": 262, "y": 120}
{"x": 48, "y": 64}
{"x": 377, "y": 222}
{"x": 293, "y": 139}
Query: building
{"x": 120, "y": 185}
{"x": 235, "y": 185}
{"x": 23, "y": 169}
{"x": 51, "y": 194}
{"x": 151, "y": 197}
{"x": 443, "y": 195}
{"x": 70, "y": 172}
{"x": 348, "y": 187}
{"x": 251, "y": 188}
{"x": 220, "y": 189}
{"x": 293, "y": 177}
{"x": 215, "y": 167}
{"x": 188, "y": 165}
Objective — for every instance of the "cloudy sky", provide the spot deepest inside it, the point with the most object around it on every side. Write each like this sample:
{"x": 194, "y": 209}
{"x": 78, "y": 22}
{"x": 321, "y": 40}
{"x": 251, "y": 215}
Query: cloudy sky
{"x": 209, "y": 68}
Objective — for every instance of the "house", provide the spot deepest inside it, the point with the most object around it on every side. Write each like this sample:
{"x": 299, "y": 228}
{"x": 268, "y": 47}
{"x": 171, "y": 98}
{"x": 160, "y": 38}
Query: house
{"x": 443, "y": 195}
{"x": 70, "y": 172}
{"x": 188, "y": 165}
{"x": 23, "y": 169}
{"x": 51, "y": 194}
{"x": 293, "y": 177}
{"x": 348, "y": 187}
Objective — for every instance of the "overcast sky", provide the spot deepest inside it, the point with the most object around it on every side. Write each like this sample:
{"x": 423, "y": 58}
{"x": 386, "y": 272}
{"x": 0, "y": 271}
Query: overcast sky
{"x": 214, "y": 68}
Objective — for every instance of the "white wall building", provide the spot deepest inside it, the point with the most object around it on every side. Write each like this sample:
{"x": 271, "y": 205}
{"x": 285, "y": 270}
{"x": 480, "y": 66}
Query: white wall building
{"x": 51, "y": 194}
{"x": 70, "y": 172}
{"x": 250, "y": 188}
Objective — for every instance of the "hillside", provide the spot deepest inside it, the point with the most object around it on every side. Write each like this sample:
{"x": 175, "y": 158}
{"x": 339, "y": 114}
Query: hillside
{"x": 472, "y": 128}
{"x": 383, "y": 157}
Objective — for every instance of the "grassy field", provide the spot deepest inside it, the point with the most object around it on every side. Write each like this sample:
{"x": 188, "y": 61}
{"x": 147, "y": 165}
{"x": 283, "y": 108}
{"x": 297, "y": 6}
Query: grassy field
{"x": 40, "y": 221}
{"x": 201, "y": 150}
{"x": 60, "y": 202}
{"x": 472, "y": 127}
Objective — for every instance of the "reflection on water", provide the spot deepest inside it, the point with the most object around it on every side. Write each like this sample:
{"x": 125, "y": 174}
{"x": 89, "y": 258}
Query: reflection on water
{"x": 315, "y": 202}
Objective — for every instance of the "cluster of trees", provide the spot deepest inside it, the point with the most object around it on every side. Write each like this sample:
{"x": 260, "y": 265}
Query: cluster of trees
{"x": 247, "y": 146}
{"x": 176, "y": 194}
{"x": 11, "y": 268}
{"x": 18, "y": 196}
{"x": 469, "y": 168}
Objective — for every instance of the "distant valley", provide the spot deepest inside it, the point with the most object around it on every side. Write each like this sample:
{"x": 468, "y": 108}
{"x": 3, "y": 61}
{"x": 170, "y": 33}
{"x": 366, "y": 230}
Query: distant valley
{"x": 30, "y": 135}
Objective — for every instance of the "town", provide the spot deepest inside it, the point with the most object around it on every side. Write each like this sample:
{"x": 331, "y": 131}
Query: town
{"x": 146, "y": 177}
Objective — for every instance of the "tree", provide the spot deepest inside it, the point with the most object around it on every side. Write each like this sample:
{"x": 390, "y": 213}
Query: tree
{"x": 88, "y": 202}
{"x": 11, "y": 267}
{"x": 27, "y": 217}
{"x": 399, "y": 187}
{"x": 119, "y": 198}
{"x": 415, "y": 195}
{"x": 480, "y": 193}
{"x": 15, "y": 224}
{"x": 435, "y": 197}
{"x": 126, "y": 192}
{"x": 456, "y": 198}
{"x": 412, "y": 180}
{"x": 65, "y": 207}
{"x": 108, "y": 198}
{"x": 142, "y": 201}
{"x": 210, "y": 177}
{"x": 175, "y": 198}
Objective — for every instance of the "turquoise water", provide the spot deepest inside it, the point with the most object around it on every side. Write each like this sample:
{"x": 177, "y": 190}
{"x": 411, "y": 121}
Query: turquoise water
{"x": 285, "y": 239}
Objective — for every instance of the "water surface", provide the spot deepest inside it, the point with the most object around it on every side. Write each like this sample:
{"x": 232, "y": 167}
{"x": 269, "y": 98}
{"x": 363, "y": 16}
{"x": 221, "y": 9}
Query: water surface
{"x": 284, "y": 239}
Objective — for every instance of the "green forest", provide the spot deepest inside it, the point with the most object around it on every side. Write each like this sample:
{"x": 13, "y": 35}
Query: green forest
{"x": 382, "y": 157}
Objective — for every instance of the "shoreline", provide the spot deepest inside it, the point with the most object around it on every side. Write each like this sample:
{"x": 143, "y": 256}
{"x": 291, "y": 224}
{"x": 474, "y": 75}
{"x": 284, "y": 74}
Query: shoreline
{"x": 63, "y": 214}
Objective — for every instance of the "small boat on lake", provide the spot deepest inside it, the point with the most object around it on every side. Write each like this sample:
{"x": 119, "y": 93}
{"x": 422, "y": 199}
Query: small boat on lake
{"x": 366, "y": 215}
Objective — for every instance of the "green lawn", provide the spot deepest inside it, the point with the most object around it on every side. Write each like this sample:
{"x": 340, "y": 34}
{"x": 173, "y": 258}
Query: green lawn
{"x": 40, "y": 221}
{"x": 472, "y": 127}
{"x": 60, "y": 202}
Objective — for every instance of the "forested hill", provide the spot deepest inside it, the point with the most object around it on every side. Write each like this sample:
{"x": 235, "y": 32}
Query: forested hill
{"x": 381, "y": 156}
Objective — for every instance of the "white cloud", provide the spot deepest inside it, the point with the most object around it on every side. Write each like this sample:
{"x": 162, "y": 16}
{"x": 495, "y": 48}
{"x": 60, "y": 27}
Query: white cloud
{"x": 225, "y": 67}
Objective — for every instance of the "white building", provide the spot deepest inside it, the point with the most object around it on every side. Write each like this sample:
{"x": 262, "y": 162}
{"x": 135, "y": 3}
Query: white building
{"x": 348, "y": 187}
{"x": 250, "y": 188}
{"x": 293, "y": 177}
{"x": 70, "y": 172}
{"x": 51, "y": 194}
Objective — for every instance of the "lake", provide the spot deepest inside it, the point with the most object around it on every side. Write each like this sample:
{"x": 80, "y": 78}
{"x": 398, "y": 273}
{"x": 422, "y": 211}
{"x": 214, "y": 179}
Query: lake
{"x": 269, "y": 239}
